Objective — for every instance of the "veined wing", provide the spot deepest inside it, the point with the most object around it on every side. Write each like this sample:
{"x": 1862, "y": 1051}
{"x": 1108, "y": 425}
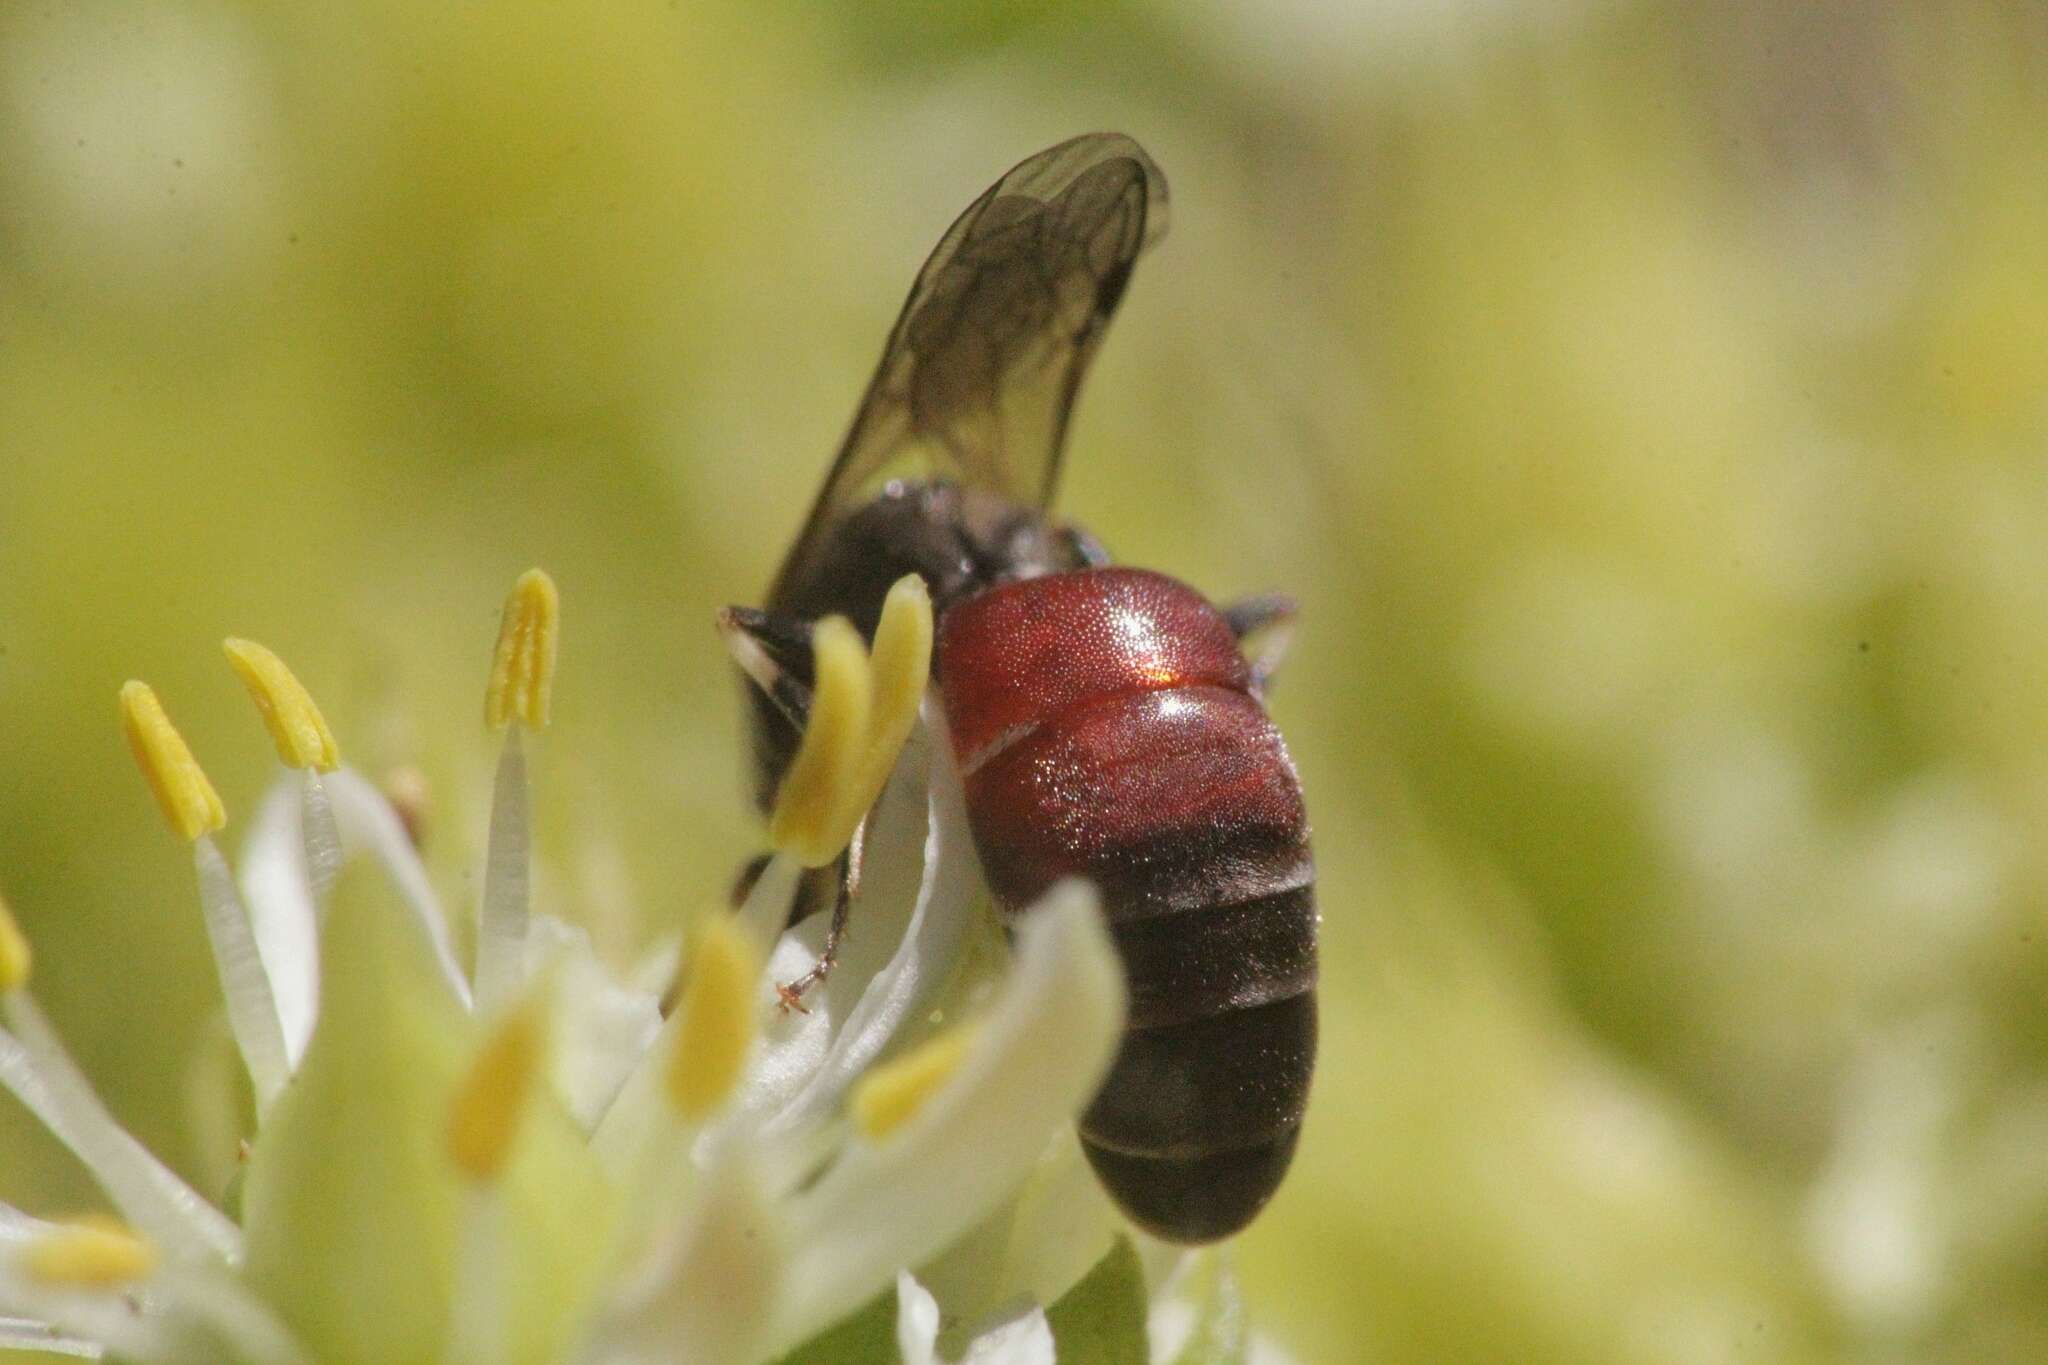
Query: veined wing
{"x": 981, "y": 370}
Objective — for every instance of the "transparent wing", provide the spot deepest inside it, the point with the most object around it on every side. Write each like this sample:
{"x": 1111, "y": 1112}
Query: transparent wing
{"x": 979, "y": 376}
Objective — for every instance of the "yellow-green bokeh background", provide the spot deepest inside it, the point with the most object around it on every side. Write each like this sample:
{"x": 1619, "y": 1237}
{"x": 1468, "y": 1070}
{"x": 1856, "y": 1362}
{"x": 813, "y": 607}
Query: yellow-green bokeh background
{"x": 1648, "y": 403}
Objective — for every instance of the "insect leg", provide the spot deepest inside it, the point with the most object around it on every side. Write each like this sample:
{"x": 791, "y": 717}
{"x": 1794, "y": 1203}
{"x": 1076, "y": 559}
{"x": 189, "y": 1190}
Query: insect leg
{"x": 1267, "y": 621}
{"x": 771, "y": 650}
{"x": 792, "y": 993}
{"x": 811, "y": 890}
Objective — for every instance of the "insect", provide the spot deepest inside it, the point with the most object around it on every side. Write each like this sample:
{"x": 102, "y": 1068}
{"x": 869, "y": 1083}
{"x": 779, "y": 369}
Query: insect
{"x": 1106, "y": 721}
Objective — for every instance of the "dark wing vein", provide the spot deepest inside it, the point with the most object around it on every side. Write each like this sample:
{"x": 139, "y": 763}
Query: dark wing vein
{"x": 980, "y": 373}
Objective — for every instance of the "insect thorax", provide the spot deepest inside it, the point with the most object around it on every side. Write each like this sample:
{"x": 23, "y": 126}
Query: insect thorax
{"x": 960, "y": 540}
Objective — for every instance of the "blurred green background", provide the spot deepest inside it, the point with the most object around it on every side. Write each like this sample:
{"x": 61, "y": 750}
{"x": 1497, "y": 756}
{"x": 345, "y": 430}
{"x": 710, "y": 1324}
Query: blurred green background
{"x": 1648, "y": 402}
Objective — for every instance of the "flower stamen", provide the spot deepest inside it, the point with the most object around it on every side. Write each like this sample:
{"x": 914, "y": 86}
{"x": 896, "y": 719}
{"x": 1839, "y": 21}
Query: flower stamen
{"x": 483, "y": 1120}
{"x": 194, "y": 810}
{"x": 296, "y": 726}
{"x": 42, "y": 1075}
{"x": 244, "y": 981}
{"x": 522, "y": 682}
{"x": 94, "y": 1252}
{"x": 189, "y": 802}
{"x": 891, "y": 1095}
{"x": 523, "y": 667}
{"x": 902, "y": 662}
{"x": 806, "y": 821}
{"x": 483, "y": 1128}
{"x": 716, "y": 1021}
{"x": 862, "y": 709}
{"x": 304, "y": 742}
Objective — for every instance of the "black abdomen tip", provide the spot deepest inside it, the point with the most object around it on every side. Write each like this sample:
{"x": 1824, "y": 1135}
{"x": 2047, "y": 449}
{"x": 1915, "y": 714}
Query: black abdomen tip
{"x": 1195, "y": 1125}
{"x": 1194, "y": 1199}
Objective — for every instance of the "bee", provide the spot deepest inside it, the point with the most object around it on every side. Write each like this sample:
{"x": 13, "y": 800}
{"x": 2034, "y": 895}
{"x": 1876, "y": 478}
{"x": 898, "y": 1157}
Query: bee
{"x": 1106, "y": 721}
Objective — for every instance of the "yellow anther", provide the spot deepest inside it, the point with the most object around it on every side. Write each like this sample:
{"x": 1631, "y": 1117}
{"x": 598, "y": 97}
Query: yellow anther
{"x": 862, "y": 710}
{"x": 523, "y": 669}
{"x": 188, "y": 799}
{"x": 93, "y": 1253}
{"x": 808, "y": 822}
{"x": 890, "y": 1095}
{"x": 483, "y": 1121}
{"x": 902, "y": 663}
{"x": 15, "y": 957}
{"x": 715, "y": 1020}
{"x": 296, "y": 726}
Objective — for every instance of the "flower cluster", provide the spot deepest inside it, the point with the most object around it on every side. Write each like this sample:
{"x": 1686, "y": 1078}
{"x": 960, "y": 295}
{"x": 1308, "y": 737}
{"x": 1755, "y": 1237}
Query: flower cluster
{"x": 536, "y": 1161}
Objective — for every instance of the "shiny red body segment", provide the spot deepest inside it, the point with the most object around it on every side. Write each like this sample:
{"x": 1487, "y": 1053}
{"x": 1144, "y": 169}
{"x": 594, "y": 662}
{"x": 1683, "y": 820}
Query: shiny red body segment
{"x": 1106, "y": 727}
{"x": 1024, "y": 653}
{"x": 1095, "y": 714}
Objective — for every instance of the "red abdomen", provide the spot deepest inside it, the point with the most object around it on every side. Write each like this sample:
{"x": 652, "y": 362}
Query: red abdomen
{"x": 1105, "y": 728}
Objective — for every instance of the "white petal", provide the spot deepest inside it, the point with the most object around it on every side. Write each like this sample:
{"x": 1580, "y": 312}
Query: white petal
{"x": 17, "y": 1227}
{"x": 917, "y": 1321}
{"x": 480, "y": 1316}
{"x": 370, "y": 825}
{"x": 600, "y": 1029}
{"x": 940, "y": 913}
{"x": 281, "y": 915}
{"x": 704, "y": 1292}
{"x": 892, "y": 872}
{"x": 106, "y": 1320}
{"x": 179, "y": 1313}
{"x": 26, "y": 1334}
{"x": 1025, "y": 1340}
{"x": 790, "y": 1048}
{"x": 176, "y": 1298}
{"x": 1035, "y": 1247}
{"x": 786, "y": 1052}
{"x": 1172, "y": 1273}
{"x": 1168, "y": 1327}
{"x": 1033, "y": 1064}
{"x": 289, "y": 861}
{"x": 100, "y": 1319}
{"x": 274, "y": 885}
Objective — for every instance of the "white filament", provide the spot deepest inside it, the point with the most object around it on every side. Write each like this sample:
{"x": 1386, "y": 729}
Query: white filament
{"x": 35, "y": 1066}
{"x": 322, "y": 839}
{"x": 502, "y": 919}
{"x": 244, "y": 982}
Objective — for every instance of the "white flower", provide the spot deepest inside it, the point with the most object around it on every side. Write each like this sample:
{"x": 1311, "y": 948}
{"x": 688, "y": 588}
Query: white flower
{"x": 532, "y": 1163}
{"x": 1024, "y": 1340}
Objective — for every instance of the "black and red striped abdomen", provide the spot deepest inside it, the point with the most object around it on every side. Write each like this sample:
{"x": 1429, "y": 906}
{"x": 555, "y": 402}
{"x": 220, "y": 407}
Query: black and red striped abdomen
{"x": 1105, "y": 728}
